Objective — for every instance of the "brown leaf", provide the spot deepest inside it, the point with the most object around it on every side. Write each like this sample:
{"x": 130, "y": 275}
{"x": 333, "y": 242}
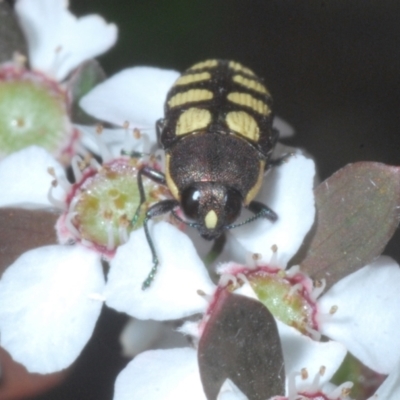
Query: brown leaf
{"x": 357, "y": 213}
{"x": 241, "y": 342}
{"x": 23, "y": 229}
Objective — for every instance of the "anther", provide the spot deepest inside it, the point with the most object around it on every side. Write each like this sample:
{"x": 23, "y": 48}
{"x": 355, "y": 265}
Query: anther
{"x": 304, "y": 373}
{"x": 136, "y": 133}
{"x": 333, "y": 310}
{"x": 99, "y": 128}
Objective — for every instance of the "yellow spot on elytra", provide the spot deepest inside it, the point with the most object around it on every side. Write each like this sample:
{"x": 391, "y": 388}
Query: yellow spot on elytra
{"x": 205, "y": 64}
{"x": 250, "y": 84}
{"x": 192, "y": 120}
{"x": 192, "y": 78}
{"x": 240, "y": 68}
{"x": 193, "y": 95}
{"x": 211, "y": 219}
{"x": 255, "y": 189}
{"x": 170, "y": 182}
{"x": 244, "y": 124}
{"x": 247, "y": 100}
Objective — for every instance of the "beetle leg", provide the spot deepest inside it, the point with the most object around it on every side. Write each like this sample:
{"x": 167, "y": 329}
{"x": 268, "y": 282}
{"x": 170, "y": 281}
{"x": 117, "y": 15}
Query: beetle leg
{"x": 278, "y": 161}
{"x": 159, "y": 208}
{"x": 261, "y": 210}
{"x": 155, "y": 176}
{"x": 159, "y": 128}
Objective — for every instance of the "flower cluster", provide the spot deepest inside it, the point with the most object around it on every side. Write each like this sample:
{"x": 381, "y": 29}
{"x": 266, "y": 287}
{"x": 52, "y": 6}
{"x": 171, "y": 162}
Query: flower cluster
{"x": 272, "y": 314}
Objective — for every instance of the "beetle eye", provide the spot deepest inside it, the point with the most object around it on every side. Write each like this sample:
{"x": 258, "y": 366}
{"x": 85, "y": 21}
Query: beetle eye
{"x": 233, "y": 205}
{"x": 190, "y": 202}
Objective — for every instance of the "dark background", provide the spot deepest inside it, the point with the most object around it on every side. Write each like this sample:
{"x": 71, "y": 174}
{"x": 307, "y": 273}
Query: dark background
{"x": 333, "y": 69}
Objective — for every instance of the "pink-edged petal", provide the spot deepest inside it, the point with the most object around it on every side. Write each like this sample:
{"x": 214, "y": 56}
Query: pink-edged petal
{"x": 288, "y": 190}
{"x": 57, "y": 40}
{"x": 174, "y": 291}
{"x": 161, "y": 375}
{"x": 49, "y": 306}
{"x": 135, "y": 95}
{"x": 367, "y": 320}
{"x": 390, "y": 388}
{"x": 300, "y": 351}
{"x": 25, "y": 179}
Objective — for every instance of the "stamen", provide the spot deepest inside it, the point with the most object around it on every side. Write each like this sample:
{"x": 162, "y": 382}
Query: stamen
{"x": 110, "y": 235}
{"x": 319, "y": 287}
{"x": 75, "y": 164}
{"x": 304, "y": 373}
{"x": 55, "y": 202}
{"x": 227, "y": 279}
{"x": 341, "y": 391}
{"x": 123, "y": 233}
{"x": 19, "y": 59}
{"x": 136, "y": 133}
{"x": 292, "y": 271}
{"x": 294, "y": 290}
{"x": 205, "y": 296}
{"x": 70, "y": 226}
{"x": 95, "y": 164}
{"x": 313, "y": 333}
{"x": 105, "y": 152}
{"x": 333, "y": 310}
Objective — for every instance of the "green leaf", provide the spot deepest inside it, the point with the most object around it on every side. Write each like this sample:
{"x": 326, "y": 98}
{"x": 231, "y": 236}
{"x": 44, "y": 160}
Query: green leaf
{"x": 22, "y": 230}
{"x": 84, "y": 79}
{"x": 241, "y": 342}
{"x": 11, "y": 37}
{"x": 357, "y": 213}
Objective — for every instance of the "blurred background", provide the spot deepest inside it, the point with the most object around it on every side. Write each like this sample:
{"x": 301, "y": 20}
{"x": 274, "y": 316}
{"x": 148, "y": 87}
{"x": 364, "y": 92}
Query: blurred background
{"x": 333, "y": 68}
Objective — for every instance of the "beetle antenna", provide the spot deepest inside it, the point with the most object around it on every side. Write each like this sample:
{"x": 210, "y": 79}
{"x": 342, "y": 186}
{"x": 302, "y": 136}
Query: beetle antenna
{"x": 191, "y": 224}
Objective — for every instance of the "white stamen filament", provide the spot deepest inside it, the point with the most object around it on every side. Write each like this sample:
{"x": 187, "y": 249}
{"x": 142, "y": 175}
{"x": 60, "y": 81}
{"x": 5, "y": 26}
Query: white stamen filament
{"x": 226, "y": 279}
{"x": 123, "y": 234}
{"x": 313, "y": 333}
{"x": 55, "y": 202}
{"x": 110, "y": 236}
{"x": 76, "y": 160}
{"x": 318, "y": 289}
{"x": 70, "y": 226}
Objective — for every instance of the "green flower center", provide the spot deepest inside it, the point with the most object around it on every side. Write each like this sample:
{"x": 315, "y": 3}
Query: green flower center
{"x": 106, "y": 204}
{"x": 286, "y": 300}
{"x": 31, "y": 113}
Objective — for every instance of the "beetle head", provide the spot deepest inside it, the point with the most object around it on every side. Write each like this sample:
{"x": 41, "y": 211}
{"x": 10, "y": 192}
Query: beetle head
{"x": 211, "y": 206}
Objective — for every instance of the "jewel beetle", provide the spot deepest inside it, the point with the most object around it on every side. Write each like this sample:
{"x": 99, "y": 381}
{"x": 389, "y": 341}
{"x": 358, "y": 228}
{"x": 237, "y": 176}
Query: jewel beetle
{"x": 218, "y": 138}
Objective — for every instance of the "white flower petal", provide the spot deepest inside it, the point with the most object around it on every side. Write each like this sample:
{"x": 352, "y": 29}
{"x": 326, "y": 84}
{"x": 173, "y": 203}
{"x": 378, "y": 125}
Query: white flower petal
{"x": 135, "y": 95}
{"x": 47, "y": 314}
{"x": 173, "y": 293}
{"x": 367, "y": 320}
{"x": 390, "y": 388}
{"x": 138, "y": 336}
{"x": 116, "y": 140}
{"x": 300, "y": 351}
{"x": 57, "y": 40}
{"x": 285, "y": 129}
{"x": 288, "y": 190}
{"x": 229, "y": 391}
{"x": 25, "y": 179}
{"x": 161, "y": 375}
